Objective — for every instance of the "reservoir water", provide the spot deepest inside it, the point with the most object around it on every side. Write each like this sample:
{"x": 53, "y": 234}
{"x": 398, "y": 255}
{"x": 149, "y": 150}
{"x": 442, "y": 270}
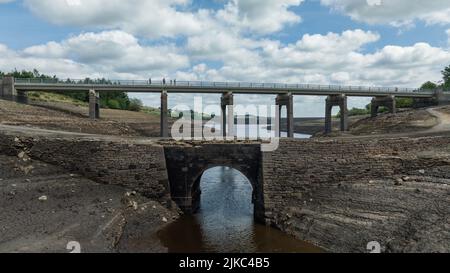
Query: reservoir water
{"x": 225, "y": 222}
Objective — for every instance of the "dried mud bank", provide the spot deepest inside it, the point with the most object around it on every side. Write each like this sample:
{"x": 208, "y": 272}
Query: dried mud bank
{"x": 44, "y": 206}
{"x": 343, "y": 194}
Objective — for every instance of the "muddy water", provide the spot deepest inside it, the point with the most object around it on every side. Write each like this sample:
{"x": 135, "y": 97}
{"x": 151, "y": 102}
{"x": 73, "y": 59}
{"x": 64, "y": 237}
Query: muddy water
{"x": 225, "y": 221}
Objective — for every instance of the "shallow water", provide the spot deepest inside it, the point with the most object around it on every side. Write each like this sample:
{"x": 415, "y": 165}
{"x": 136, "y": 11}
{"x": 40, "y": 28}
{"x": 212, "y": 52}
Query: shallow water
{"x": 225, "y": 221}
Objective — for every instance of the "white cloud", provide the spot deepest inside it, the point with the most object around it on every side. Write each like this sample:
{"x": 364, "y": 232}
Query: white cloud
{"x": 104, "y": 54}
{"x": 394, "y": 12}
{"x": 166, "y": 18}
{"x": 260, "y": 16}
{"x": 152, "y": 18}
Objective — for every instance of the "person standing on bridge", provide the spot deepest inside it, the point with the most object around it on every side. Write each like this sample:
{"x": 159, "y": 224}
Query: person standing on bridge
{"x": 164, "y": 81}
{"x": 150, "y": 81}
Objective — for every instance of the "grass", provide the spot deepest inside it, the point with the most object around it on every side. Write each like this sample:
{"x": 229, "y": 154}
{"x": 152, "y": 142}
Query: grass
{"x": 60, "y": 98}
{"x": 53, "y": 97}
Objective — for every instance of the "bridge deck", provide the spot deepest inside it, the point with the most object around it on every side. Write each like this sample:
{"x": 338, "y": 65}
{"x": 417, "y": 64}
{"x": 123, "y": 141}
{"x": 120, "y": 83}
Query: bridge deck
{"x": 217, "y": 88}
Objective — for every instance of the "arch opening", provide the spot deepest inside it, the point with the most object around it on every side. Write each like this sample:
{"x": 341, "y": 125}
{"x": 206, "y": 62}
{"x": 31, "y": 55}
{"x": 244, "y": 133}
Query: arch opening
{"x": 225, "y": 187}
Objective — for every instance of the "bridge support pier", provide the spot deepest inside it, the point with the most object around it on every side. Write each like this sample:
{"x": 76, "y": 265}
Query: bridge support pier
{"x": 227, "y": 118}
{"x": 9, "y": 92}
{"x": 94, "y": 104}
{"x": 388, "y": 102}
{"x": 442, "y": 98}
{"x": 288, "y": 101}
{"x": 336, "y": 100}
{"x": 164, "y": 114}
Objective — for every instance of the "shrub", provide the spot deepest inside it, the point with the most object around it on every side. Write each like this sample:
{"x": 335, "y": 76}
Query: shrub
{"x": 135, "y": 105}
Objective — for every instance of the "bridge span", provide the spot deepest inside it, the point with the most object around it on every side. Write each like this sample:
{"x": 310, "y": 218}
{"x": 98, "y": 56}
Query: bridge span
{"x": 336, "y": 95}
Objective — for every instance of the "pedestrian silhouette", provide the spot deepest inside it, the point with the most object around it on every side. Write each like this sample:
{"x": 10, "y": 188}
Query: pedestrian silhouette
{"x": 164, "y": 81}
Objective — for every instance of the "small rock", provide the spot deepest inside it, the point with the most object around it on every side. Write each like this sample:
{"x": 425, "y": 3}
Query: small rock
{"x": 164, "y": 219}
{"x": 132, "y": 193}
{"x": 43, "y": 198}
{"x": 406, "y": 178}
{"x": 135, "y": 205}
{"x": 16, "y": 139}
{"x": 422, "y": 171}
{"x": 21, "y": 155}
{"x": 417, "y": 191}
{"x": 398, "y": 182}
{"x": 154, "y": 207}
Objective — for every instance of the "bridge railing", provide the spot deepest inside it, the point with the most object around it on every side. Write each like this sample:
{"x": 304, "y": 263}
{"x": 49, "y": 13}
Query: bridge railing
{"x": 205, "y": 84}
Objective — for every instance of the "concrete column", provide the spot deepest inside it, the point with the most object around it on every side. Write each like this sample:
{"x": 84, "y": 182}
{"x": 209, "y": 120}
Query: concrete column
{"x": 328, "y": 117}
{"x": 336, "y": 100}
{"x": 164, "y": 114}
{"x": 288, "y": 101}
{"x": 94, "y": 104}
{"x": 227, "y": 100}
{"x": 7, "y": 90}
{"x": 441, "y": 97}
{"x": 344, "y": 114}
{"x": 388, "y": 102}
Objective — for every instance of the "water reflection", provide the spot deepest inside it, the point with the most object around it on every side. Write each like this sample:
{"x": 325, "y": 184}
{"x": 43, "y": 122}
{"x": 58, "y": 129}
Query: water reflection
{"x": 225, "y": 221}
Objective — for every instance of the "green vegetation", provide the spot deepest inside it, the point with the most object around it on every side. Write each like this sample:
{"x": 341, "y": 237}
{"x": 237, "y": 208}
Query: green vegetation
{"x": 429, "y": 86}
{"x": 404, "y": 102}
{"x": 446, "y": 77}
{"x": 53, "y": 97}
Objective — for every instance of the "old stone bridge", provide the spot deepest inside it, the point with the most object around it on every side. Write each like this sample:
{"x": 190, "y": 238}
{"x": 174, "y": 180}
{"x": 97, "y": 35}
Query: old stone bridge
{"x": 334, "y": 193}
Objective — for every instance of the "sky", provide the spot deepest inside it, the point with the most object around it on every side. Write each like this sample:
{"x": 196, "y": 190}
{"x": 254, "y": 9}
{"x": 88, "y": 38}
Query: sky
{"x": 347, "y": 42}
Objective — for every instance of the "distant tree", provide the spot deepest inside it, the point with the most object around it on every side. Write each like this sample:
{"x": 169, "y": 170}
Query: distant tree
{"x": 429, "y": 86}
{"x": 136, "y": 105}
{"x": 446, "y": 74}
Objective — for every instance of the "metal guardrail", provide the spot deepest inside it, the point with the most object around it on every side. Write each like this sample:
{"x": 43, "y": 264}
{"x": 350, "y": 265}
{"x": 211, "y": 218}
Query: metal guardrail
{"x": 203, "y": 84}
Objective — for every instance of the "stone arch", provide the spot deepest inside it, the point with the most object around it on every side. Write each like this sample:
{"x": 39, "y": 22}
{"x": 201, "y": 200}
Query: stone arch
{"x": 186, "y": 165}
{"x": 195, "y": 189}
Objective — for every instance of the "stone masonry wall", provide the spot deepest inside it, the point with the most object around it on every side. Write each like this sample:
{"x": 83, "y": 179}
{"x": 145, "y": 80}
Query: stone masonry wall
{"x": 138, "y": 167}
{"x": 343, "y": 194}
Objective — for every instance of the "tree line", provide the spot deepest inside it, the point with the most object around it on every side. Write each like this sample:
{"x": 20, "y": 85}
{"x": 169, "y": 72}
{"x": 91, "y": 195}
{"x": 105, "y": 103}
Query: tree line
{"x": 112, "y": 100}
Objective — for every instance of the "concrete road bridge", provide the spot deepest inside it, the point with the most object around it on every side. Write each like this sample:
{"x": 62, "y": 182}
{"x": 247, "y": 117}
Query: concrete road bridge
{"x": 16, "y": 89}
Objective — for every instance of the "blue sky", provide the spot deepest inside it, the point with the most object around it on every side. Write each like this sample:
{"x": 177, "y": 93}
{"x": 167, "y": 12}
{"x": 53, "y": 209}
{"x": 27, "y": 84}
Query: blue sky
{"x": 349, "y": 42}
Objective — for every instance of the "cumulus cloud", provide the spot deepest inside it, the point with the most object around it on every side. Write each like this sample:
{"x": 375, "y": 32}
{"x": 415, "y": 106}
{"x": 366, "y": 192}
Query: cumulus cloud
{"x": 333, "y": 59}
{"x": 104, "y": 54}
{"x": 260, "y": 16}
{"x": 152, "y": 18}
{"x": 166, "y": 18}
{"x": 394, "y": 12}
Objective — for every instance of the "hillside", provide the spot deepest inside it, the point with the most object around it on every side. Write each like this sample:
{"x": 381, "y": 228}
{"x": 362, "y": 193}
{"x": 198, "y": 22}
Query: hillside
{"x": 61, "y": 113}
